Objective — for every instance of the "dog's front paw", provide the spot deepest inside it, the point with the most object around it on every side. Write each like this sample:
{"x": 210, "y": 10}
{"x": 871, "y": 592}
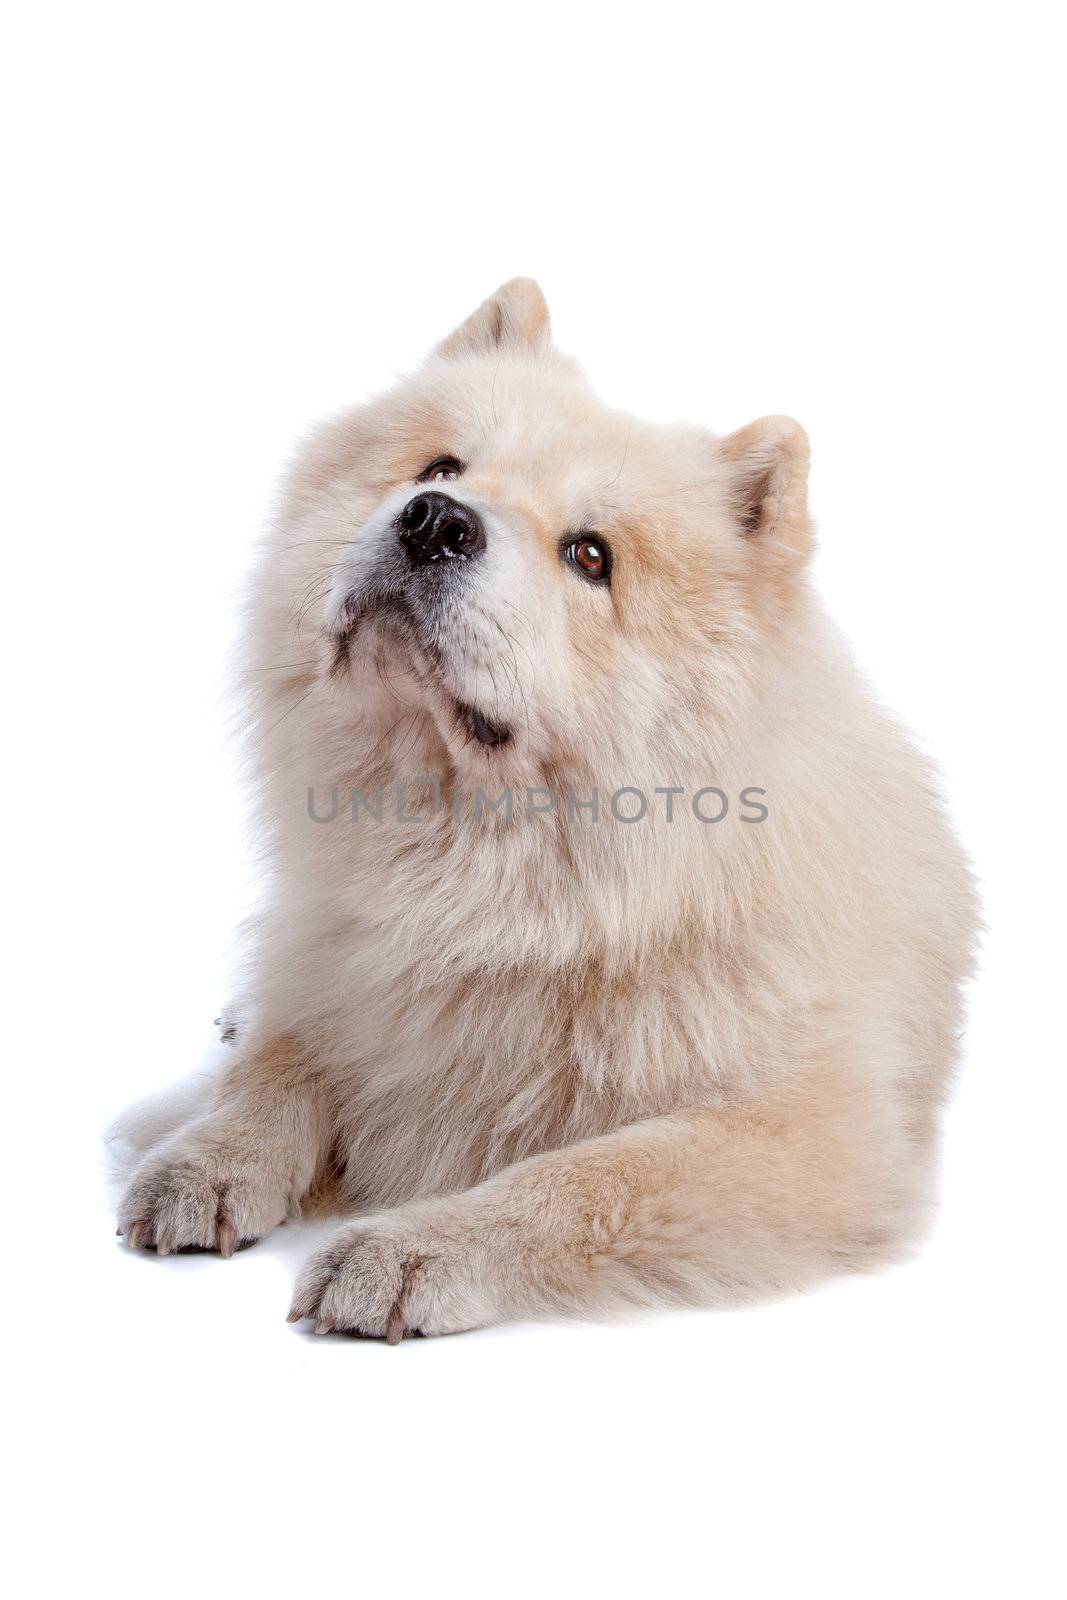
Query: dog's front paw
{"x": 388, "y": 1276}
{"x": 198, "y": 1194}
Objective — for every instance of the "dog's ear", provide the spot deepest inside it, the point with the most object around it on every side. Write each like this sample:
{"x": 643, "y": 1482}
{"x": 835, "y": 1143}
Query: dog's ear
{"x": 516, "y": 315}
{"x": 768, "y": 483}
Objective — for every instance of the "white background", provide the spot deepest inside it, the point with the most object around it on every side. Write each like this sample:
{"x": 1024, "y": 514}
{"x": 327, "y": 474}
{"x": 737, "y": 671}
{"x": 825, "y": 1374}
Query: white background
{"x": 224, "y": 222}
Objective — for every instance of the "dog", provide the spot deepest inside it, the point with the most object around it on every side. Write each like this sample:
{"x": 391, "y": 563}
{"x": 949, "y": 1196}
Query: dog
{"x": 613, "y": 936}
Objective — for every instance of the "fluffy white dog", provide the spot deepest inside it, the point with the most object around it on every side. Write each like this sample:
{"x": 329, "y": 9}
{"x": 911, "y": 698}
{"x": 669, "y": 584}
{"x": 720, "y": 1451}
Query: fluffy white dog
{"x": 614, "y": 935}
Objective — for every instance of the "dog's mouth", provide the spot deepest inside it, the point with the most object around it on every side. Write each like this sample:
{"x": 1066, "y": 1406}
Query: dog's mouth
{"x": 483, "y": 729}
{"x": 395, "y": 616}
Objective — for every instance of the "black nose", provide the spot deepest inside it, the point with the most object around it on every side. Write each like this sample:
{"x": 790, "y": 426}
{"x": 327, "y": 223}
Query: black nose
{"x": 434, "y": 527}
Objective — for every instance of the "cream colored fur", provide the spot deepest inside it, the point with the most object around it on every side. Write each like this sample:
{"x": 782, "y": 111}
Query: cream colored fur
{"x": 561, "y": 1064}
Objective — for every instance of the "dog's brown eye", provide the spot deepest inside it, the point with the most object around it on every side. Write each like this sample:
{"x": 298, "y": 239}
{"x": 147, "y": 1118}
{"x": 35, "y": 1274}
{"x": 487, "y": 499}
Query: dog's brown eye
{"x": 591, "y": 557}
{"x": 441, "y": 470}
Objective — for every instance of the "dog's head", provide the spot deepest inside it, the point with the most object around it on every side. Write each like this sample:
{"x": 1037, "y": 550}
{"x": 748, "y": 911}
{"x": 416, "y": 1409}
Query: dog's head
{"x": 491, "y": 558}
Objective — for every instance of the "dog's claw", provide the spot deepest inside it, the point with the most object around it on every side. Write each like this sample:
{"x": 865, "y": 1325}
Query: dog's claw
{"x": 133, "y": 1235}
{"x": 164, "y": 1244}
{"x": 294, "y": 1316}
{"x": 227, "y": 1240}
{"x": 396, "y": 1327}
{"x": 324, "y": 1325}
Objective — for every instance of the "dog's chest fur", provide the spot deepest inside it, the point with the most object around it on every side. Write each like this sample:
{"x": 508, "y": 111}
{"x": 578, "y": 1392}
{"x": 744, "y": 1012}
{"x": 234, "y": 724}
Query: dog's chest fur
{"x": 472, "y": 1015}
